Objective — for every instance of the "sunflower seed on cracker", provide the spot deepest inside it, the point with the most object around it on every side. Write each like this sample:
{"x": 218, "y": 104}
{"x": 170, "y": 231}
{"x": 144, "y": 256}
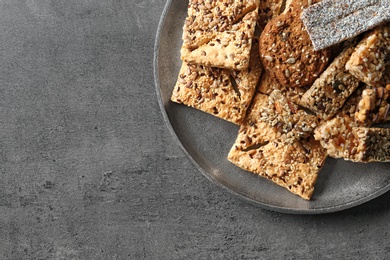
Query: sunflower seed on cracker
{"x": 223, "y": 93}
{"x": 219, "y": 33}
{"x": 263, "y": 149}
{"x": 332, "y": 21}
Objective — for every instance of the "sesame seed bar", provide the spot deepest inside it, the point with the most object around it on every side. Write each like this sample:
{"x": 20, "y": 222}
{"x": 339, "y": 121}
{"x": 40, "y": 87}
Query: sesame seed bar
{"x": 343, "y": 139}
{"x": 368, "y": 61}
{"x": 330, "y": 91}
{"x": 223, "y": 93}
{"x": 332, "y": 21}
{"x": 219, "y": 33}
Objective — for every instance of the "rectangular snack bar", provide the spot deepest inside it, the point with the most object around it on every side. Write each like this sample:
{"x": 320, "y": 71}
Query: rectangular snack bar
{"x": 220, "y": 92}
{"x": 343, "y": 139}
{"x": 333, "y": 21}
{"x": 330, "y": 91}
{"x": 368, "y": 61}
{"x": 219, "y": 33}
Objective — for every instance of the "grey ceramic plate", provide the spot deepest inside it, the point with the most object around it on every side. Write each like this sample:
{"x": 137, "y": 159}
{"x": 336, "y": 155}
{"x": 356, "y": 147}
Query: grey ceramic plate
{"x": 207, "y": 140}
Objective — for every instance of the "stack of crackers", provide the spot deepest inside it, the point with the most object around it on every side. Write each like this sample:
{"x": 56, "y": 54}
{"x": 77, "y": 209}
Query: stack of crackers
{"x": 253, "y": 64}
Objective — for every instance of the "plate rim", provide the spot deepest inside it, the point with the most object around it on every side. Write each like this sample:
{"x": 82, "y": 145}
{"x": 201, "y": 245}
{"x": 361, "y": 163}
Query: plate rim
{"x": 313, "y": 211}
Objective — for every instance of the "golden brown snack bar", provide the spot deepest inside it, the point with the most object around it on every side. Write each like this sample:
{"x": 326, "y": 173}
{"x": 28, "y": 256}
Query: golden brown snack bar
{"x": 369, "y": 59}
{"x": 330, "y": 91}
{"x": 342, "y": 138}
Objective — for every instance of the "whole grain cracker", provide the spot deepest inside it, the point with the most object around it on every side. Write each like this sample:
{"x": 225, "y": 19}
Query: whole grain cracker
{"x": 282, "y": 152}
{"x": 268, "y": 10}
{"x": 294, "y": 166}
{"x": 223, "y": 93}
{"x": 219, "y": 33}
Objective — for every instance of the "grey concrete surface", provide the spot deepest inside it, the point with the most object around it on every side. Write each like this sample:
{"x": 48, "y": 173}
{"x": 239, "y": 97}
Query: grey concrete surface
{"x": 89, "y": 170}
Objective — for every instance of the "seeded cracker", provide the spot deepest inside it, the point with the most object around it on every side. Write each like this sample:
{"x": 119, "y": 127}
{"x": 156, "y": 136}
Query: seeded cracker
{"x": 329, "y": 92}
{"x": 343, "y": 139}
{"x": 368, "y": 61}
{"x": 261, "y": 148}
{"x": 220, "y": 92}
{"x": 219, "y": 33}
{"x": 333, "y": 21}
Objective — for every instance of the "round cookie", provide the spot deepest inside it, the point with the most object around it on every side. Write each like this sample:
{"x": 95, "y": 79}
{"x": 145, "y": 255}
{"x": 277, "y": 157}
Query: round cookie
{"x": 287, "y": 53}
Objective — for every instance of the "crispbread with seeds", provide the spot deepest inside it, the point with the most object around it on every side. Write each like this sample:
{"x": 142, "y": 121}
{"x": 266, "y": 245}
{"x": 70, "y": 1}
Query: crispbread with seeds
{"x": 332, "y": 21}
{"x": 219, "y": 33}
{"x": 287, "y": 52}
{"x": 368, "y": 61}
{"x": 342, "y": 138}
{"x": 220, "y": 92}
{"x": 293, "y": 166}
{"x": 280, "y": 152}
{"x": 330, "y": 91}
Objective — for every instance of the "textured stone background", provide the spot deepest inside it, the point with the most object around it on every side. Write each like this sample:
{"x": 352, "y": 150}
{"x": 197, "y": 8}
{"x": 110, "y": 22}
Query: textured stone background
{"x": 89, "y": 170}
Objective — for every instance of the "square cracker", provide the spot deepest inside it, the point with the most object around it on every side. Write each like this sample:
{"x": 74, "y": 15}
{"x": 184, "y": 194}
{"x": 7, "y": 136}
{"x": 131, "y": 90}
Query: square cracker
{"x": 219, "y": 33}
{"x": 262, "y": 149}
{"x": 223, "y": 93}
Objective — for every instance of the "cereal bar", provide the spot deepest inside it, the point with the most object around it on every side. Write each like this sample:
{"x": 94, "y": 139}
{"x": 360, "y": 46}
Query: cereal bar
{"x": 343, "y": 139}
{"x": 368, "y": 61}
{"x": 329, "y": 92}
{"x": 374, "y": 106}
